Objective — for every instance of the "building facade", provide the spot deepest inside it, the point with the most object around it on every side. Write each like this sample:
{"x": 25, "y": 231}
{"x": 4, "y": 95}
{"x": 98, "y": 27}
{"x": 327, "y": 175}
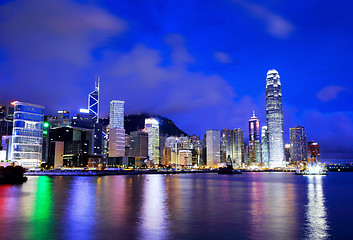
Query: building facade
{"x": 314, "y": 150}
{"x": 116, "y": 129}
{"x": 298, "y": 148}
{"x": 232, "y": 143}
{"x": 274, "y": 117}
{"x": 152, "y": 128}
{"x": 254, "y": 140}
{"x": 27, "y": 134}
{"x": 264, "y": 145}
{"x": 213, "y": 148}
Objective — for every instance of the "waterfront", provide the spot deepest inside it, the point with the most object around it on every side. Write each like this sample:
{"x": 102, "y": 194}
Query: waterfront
{"x": 179, "y": 206}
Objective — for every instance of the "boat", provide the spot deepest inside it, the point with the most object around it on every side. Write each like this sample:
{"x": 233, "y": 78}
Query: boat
{"x": 229, "y": 168}
{"x": 12, "y": 175}
{"x": 313, "y": 167}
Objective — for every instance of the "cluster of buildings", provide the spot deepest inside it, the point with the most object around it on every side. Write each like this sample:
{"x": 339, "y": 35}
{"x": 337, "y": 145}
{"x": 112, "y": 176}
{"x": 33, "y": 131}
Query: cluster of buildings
{"x": 32, "y": 139}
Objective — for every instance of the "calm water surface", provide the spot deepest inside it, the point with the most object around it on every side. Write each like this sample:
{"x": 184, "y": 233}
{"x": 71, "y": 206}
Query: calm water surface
{"x": 184, "y": 206}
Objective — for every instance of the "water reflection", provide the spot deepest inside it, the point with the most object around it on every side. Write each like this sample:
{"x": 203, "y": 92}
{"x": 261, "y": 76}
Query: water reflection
{"x": 154, "y": 221}
{"x": 316, "y": 216}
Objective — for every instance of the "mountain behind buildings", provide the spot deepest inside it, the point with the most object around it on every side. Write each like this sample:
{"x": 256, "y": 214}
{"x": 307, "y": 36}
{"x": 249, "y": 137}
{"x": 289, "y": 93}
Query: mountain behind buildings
{"x": 135, "y": 122}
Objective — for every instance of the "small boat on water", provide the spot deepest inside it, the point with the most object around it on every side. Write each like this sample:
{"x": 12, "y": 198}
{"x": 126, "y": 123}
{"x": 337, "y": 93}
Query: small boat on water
{"x": 229, "y": 168}
{"x": 12, "y": 175}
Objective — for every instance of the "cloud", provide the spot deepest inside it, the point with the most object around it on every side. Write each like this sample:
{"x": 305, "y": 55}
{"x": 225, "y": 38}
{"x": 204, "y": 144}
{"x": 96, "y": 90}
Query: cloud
{"x": 47, "y": 47}
{"x": 330, "y": 93}
{"x": 222, "y": 57}
{"x": 163, "y": 89}
{"x": 276, "y": 25}
{"x": 55, "y": 29}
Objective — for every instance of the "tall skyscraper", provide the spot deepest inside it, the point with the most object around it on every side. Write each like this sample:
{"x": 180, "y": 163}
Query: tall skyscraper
{"x": 264, "y": 145}
{"x": 116, "y": 129}
{"x": 27, "y": 134}
{"x": 232, "y": 142}
{"x": 152, "y": 128}
{"x": 274, "y": 117}
{"x": 298, "y": 150}
{"x": 213, "y": 145}
{"x": 93, "y": 102}
{"x": 254, "y": 140}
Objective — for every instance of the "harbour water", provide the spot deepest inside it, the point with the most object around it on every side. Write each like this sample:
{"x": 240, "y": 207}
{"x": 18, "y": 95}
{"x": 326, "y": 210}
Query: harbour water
{"x": 180, "y": 206}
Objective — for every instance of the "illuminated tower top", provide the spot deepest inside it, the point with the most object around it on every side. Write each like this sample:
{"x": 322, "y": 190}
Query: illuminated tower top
{"x": 93, "y": 101}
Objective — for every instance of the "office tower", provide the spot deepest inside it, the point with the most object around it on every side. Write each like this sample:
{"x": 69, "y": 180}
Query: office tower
{"x": 138, "y": 145}
{"x": 152, "y": 128}
{"x": 116, "y": 129}
{"x": 313, "y": 150}
{"x": 213, "y": 145}
{"x": 93, "y": 102}
{"x": 27, "y": 134}
{"x": 254, "y": 140}
{"x": 298, "y": 150}
{"x": 264, "y": 145}
{"x": 232, "y": 142}
{"x": 274, "y": 117}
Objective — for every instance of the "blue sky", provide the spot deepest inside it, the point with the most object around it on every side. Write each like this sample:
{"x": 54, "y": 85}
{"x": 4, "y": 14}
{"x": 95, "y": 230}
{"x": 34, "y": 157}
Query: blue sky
{"x": 201, "y": 63}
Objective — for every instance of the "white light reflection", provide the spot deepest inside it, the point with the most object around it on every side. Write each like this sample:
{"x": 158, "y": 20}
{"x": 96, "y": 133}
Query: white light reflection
{"x": 154, "y": 211}
{"x": 316, "y": 216}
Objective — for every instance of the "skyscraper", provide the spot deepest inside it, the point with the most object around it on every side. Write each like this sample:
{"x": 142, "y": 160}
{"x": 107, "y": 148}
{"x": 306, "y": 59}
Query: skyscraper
{"x": 298, "y": 150}
{"x": 213, "y": 145}
{"x": 152, "y": 128}
{"x": 116, "y": 129}
{"x": 93, "y": 102}
{"x": 254, "y": 140}
{"x": 274, "y": 117}
{"x": 232, "y": 142}
{"x": 27, "y": 134}
{"x": 264, "y": 145}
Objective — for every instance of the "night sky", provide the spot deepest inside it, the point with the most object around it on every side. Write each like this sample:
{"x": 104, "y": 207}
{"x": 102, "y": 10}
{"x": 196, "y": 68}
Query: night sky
{"x": 202, "y": 64}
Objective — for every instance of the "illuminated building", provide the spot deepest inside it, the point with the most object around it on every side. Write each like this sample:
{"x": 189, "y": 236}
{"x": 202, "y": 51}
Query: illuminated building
{"x": 152, "y": 128}
{"x": 254, "y": 140}
{"x": 298, "y": 150}
{"x": 264, "y": 145}
{"x": 314, "y": 150}
{"x": 185, "y": 157}
{"x": 27, "y": 134}
{"x": 274, "y": 117}
{"x": 287, "y": 152}
{"x": 116, "y": 129}
{"x": 232, "y": 142}
{"x": 213, "y": 148}
{"x": 93, "y": 102}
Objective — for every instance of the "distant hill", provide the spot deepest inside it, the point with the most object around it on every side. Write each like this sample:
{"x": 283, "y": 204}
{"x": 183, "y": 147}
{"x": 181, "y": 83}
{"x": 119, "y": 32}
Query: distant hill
{"x": 166, "y": 126}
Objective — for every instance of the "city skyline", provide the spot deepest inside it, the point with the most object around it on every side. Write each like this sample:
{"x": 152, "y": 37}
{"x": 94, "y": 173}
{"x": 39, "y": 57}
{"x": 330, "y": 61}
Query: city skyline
{"x": 186, "y": 80}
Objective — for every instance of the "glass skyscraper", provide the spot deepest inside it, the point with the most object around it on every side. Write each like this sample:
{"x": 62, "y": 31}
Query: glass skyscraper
{"x": 213, "y": 145}
{"x": 298, "y": 150}
{"x": 27, "y": 134}
{"x": 93, "y": 102}
{"x": 152, "y": 128}
{"x": 274, "y": 117}
{"x": 254, "y": 140}
{"x": 232, "y": 142}
{"x": 116, "y": 129}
